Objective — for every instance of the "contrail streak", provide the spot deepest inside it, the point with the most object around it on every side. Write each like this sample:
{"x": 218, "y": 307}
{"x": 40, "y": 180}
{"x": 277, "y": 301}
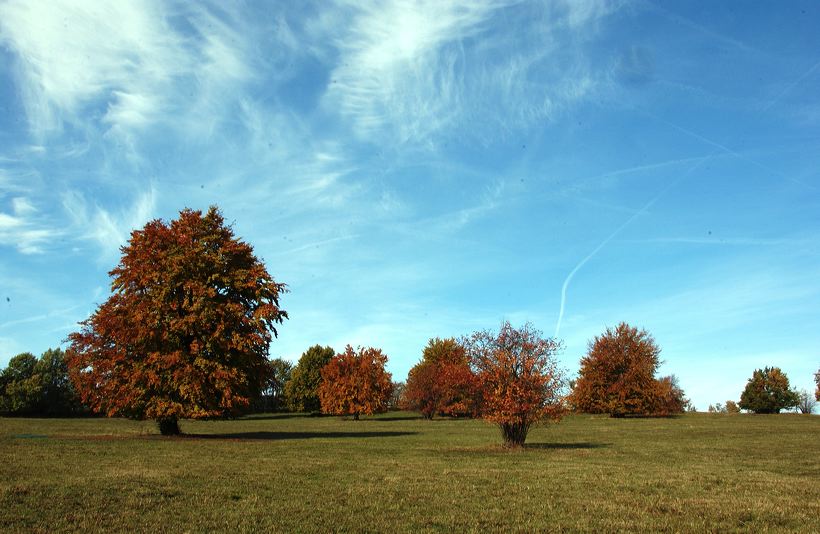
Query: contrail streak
{"x": 791, "y": 86}
{"x": 613, "y": 234}
{"x": 731, "y": 152}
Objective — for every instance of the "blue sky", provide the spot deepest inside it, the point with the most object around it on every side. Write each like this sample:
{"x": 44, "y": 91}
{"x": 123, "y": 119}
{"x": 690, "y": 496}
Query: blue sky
{"x": 420, "y": 169}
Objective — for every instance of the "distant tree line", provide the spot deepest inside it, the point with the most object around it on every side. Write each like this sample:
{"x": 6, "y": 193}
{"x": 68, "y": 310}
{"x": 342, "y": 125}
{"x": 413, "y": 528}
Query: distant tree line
{"x": 187, "y": 329}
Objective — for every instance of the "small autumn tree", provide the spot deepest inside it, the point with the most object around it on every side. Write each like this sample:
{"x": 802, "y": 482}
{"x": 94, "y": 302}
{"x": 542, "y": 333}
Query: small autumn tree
{"x": 768, "y": 391}
{"x": 817, "y": 385}
{"x": 617, "y": 376}
{"x": 185, "y": 333}
{"x": 732, "y": 407}
{"x": 518, "y": 378}
{"x": 302, "y": 390}
{"x": 442, "y": 382}
{"x": 670, "y": 398}
{"x": 355, "y": 382}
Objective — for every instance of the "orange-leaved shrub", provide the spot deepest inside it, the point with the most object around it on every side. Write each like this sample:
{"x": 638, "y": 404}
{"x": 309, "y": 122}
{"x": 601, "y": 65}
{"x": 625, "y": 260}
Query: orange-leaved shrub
{"x": 518, "y": 378}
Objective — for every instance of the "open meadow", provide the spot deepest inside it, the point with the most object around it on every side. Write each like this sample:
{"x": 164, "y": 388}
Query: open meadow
{"x": 397, "y": 473}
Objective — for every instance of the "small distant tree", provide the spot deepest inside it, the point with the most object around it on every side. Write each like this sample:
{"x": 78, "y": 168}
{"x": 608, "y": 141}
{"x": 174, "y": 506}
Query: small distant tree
{"x": 732, "y": 407}
{"x": 396, "y": 396}
{"x": 805, "y": 402}
{"x": 302, "y": 390}
{"x": 519, "y": 379}
{"x": 617, "y": 375}
{"x": 817, "y": 385}
{"x": 719, "y": 408}
{"x": 355, "y": 382}
{"x": 272, "y": 398}
{"x": 20, "y": 387}
{"x": 711, "y": 409}
{"x": 186, "y": 331}
{"x": 768, "y": 391}
{"x": 442, "y": 382}
{"x": 670, "y": 397}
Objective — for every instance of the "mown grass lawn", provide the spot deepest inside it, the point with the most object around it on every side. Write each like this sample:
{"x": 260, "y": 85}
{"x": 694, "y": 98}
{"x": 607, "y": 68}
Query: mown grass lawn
{"x": 396, "y": 473}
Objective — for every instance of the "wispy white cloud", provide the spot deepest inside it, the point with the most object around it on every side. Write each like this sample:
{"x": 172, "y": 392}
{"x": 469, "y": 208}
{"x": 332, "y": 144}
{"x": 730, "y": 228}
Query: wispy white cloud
{"x": 110, "y": 229}
{"x": 22, "y": 229}
{"x": 122, "y": 67}
{"x": 72, "y": 55}
{"x": 393, "y": 72}
{"x": 415, "y": 69}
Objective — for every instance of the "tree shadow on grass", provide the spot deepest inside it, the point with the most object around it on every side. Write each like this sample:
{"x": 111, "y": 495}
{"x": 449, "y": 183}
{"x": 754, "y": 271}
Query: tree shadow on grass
{"x": 276, "y": 436}
{"x": 558, "y": 446}
{"x": 272, "y": 416}
{"x": 377, "y": 419}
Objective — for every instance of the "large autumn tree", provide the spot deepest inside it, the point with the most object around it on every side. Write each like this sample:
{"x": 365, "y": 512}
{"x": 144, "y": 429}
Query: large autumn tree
{"x": 519, "y": 379}
{"x": 442, "y": 382}
{"x": 617, "y": 376}
{"x": 302, "y": 390}
{"x": 355, "y": 382}
{"x": 185, "y": 333}
{"x": 768, "y": 391}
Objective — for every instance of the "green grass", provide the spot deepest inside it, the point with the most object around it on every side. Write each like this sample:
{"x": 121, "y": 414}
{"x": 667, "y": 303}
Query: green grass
{"x": 397, "y": 473}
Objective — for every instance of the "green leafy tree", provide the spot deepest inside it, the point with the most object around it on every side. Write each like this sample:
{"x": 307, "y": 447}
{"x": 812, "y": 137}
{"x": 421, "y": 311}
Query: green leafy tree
{"x": 21, "y": 389}
{"x": 186, "y": 332}
{"x": 57, "y": 395}
{"x": 302, "y": 390}
{"x": 768, "y": 391}
{"x": 272, "y": 396}
{"x": 280, "y": 371}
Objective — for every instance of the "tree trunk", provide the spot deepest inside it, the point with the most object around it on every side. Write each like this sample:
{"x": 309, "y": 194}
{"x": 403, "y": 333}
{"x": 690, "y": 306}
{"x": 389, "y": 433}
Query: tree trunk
{"x": 514, "y": 434}
{"x": 168, "y": 426}
{"x": 356, "y": 416}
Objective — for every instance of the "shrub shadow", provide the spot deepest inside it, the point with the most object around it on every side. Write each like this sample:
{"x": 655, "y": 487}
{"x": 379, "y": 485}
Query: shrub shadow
{"x": 578, "y": 445}
{"x": 275, "y": 436}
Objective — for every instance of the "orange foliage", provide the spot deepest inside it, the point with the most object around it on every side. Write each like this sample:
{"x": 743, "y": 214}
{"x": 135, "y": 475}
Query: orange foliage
{"x": 355, "y": 382}
{"x": 519, "y": 380}
{"x": 185, "y": 333}
{"x": 817, "y": 382}
{"x": 669, "y": 397}
{"x": 617, "y": 374}
{"x": 443, "y": 382}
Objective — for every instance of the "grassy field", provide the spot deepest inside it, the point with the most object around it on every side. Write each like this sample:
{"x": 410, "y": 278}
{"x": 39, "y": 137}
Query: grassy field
{"x": 399, "y": 473}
